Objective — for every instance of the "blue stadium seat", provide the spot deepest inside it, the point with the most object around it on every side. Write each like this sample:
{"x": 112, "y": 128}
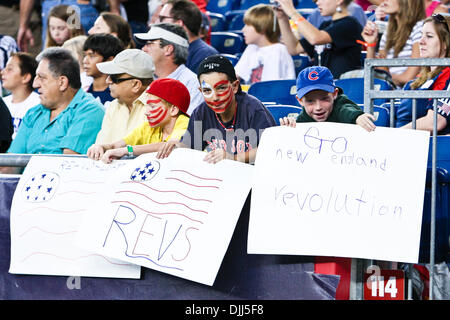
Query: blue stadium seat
{"x": 236, "y": 23}
{"x": 301, "y": 61}
{"x": 218, "y": 22}
{"x": 382, "y": 115}
{"x": 305, "y": 12}
{"x": 276, "y": 91}
{"x": 220, "y": 6}
{"x": 227, "y": 42}
{"x": 233, "y": 58}
{"x": 301, "y": 4}
{"x": 281, "y": 110}
{"x": 354, "y": 89}
{"x": 231, "y": 15}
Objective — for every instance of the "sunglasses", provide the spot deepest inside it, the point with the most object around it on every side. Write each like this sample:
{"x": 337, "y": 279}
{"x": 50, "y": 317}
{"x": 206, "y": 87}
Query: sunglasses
{"x": 442, "y": 18}
{"x": 115, "y": 78}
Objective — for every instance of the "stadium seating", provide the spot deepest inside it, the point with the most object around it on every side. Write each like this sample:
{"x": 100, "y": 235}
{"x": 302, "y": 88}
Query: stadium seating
{"x": 233, "y": 58}
{"x": 235, "y": 19}
{"x": 227, "y": 42}
{"x": 442, "y": 240}
{"x": 246, "y": 4}
{"x": 220, "y": 6}
{"x": 382, "y": 115}
{"x": 354, "y": 89}
{"x": 302, "y": 4}
{"x": 279, "y": 111}
{"x": 275, "y": 91}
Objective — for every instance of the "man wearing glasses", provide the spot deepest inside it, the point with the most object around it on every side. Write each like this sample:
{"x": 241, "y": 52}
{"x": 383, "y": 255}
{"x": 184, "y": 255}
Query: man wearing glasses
{"x": 67, "y": 120}
{"x": 167, "y": 44}
{"x": 129, "y": 75}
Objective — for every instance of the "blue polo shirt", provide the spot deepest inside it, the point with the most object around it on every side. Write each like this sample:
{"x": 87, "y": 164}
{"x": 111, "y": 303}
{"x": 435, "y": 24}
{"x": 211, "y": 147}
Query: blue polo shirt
{"x": 75, "y": 128}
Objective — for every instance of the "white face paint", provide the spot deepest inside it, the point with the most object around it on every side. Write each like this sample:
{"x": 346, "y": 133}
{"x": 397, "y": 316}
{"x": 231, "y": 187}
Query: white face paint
{"x": 207, "y": 90}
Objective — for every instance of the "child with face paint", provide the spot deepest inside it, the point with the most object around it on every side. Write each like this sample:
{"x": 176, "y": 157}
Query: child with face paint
{"x": 166, "y": 120}
{"x": 229, "y": 124}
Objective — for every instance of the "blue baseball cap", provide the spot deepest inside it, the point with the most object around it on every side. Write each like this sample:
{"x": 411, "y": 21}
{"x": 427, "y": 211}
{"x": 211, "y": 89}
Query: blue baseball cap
{"x": 314, "y": 78}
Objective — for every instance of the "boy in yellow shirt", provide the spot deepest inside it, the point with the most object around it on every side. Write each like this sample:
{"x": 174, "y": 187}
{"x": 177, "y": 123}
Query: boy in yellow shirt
{"x": 167, "y": 120}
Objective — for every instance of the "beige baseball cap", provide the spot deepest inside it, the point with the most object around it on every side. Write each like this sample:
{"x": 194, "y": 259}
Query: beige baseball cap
{"x": 134, "y": 62}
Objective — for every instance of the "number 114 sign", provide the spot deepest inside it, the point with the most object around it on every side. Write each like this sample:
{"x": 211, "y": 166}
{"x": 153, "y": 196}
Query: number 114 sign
{"x": 384, "y": 285}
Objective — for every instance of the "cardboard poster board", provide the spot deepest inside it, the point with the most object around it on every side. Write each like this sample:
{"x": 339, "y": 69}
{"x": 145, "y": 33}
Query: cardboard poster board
{"x": 51, "y": 198}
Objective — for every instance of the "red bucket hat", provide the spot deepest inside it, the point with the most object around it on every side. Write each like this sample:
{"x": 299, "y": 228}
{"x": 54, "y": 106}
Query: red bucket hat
{"x": 171, "y": 90}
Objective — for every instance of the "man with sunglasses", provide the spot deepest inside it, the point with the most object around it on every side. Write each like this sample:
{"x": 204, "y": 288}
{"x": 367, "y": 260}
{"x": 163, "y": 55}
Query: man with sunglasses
{"x": 129, "y": 74}
{"x": 229, "y": 124}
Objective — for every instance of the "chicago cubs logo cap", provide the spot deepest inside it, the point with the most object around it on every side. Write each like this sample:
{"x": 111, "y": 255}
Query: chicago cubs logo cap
{"x": 314, "y": 78}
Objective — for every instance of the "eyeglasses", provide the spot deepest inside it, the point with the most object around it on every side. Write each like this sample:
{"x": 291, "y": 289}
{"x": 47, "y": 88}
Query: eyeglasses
{"x": 114, "y": 78}
{"x": 442, "y": 18}
{"x": 162, "y": 18}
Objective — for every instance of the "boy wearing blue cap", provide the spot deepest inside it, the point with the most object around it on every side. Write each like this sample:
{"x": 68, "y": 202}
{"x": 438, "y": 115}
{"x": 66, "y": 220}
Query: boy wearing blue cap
{"x": 323, "y": 101}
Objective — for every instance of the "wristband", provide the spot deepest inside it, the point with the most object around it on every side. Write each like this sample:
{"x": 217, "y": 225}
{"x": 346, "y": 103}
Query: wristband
{"x": 130, "y": 150}
{"x": 299, "y": 19}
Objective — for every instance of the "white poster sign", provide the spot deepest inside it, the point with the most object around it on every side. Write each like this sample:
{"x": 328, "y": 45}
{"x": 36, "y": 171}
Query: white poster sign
{"x": 51, "y": 198}
{"x": 330, "y": 189}
{"x": 175, "y": 215}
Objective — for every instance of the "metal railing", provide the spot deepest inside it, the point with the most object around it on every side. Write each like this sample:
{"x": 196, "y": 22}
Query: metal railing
{"x": 21, "y": 160}
{"x": 370, "y": 94}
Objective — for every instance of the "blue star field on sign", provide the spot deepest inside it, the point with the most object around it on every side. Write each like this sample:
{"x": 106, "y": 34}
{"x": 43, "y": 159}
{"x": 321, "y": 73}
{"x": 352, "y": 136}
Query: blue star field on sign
{"x": 145, "y": 172}
{"x": 40, "y": 187}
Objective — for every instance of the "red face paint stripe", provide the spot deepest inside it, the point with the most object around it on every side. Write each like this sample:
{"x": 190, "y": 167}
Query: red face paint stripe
{"x": 155, "y": 113}
{"x": 157, "y": 116}
{"x": 225, "y": 93}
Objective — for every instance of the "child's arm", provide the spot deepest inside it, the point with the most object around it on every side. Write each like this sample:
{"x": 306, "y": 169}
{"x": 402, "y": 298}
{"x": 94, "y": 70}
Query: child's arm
{"x": 166, "y": 148}
{"x": 313, "y": 35}
{"x": 426, "y": 122}
{"x": 120, "y": 152}
{"x": 288, "y": 122}
{"x": 288, "y": 38}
